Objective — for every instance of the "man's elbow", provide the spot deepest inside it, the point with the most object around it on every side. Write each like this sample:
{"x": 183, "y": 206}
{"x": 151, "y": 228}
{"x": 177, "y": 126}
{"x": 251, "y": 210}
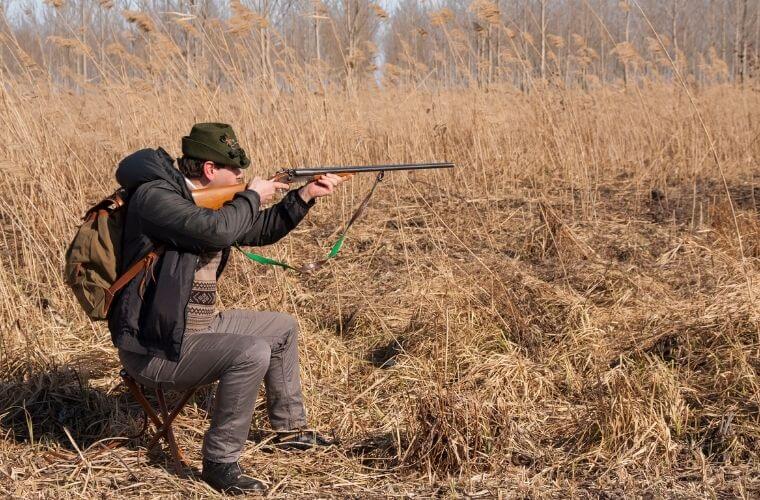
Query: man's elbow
{"x": 221, "y": 237}
{"x": 264, "y": 239}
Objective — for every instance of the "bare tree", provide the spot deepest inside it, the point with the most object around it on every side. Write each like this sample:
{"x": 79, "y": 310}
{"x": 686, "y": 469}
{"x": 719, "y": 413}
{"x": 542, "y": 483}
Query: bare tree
{"x": 543, "y": 39}
{"x": 443, "y": 42}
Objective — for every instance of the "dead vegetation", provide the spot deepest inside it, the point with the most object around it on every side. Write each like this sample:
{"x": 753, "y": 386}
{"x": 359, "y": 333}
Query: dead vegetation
{"x": 566, "y": 313}
{"x": 569, "y": 312}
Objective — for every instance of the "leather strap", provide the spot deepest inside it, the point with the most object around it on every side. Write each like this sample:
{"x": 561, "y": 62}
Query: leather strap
{"x": 133, "y": 271}
{"x": 108, "y": 204}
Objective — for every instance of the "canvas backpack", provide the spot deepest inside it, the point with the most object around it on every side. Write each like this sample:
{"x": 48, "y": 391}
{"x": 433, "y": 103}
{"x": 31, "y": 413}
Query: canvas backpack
{"x": 93, "y": 257}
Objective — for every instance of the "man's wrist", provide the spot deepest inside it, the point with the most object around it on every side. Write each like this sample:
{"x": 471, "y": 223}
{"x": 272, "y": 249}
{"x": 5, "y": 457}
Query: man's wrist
{"x": 305, "y": 196}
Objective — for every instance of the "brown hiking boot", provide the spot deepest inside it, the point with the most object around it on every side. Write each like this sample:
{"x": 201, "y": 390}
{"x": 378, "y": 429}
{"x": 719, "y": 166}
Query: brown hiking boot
{"x": 230, "y": 478}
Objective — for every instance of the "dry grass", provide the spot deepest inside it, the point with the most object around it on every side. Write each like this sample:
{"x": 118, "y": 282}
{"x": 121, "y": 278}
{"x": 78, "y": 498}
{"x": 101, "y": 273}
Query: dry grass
{"x": 569, "y": 312}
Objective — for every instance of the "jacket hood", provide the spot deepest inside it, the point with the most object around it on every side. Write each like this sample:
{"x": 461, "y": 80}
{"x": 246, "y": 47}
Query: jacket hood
{"x": 149, "y": 165}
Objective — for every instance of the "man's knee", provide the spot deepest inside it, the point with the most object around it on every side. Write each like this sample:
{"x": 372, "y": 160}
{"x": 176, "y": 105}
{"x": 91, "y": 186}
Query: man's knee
{"x": 255, "y": 353}
{"x": 289, "y": 324}
{"x": 288, "y": 327}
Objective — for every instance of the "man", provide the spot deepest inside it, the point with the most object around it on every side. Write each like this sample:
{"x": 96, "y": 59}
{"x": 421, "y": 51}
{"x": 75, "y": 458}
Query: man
{"x": 164, "y": 322}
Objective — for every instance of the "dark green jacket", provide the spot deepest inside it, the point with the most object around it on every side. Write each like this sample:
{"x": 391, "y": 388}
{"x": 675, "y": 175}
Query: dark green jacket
{"x": 160, "y": 210}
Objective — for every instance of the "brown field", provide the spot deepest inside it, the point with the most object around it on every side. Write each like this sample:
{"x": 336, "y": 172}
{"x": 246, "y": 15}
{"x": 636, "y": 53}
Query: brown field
{"x": 573, "y": 310}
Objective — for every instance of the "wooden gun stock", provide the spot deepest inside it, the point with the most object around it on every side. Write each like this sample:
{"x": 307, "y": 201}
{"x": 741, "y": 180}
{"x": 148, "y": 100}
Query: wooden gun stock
{"x": 214, "y": 198}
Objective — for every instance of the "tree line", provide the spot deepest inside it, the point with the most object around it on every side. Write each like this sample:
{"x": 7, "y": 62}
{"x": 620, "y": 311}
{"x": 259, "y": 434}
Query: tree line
{"x": 351, "y": 44}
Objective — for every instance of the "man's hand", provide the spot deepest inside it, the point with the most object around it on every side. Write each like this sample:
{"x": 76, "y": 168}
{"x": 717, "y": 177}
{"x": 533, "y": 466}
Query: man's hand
{"x": 323, "y": 186}
{"x": 266, "y": 188}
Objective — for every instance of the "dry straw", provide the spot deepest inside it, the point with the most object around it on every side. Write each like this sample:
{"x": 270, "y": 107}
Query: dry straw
{"x": 573, "y": 310}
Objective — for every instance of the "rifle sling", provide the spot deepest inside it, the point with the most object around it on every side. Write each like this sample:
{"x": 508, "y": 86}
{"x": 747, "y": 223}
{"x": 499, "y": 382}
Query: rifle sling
{"x": 130, "y": 273}
{"x": 310, "y": 267}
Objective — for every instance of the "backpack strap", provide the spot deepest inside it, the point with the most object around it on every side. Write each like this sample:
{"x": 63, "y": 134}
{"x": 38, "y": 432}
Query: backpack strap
{"x": 130, "y": 273}
{"x": 108, "y": 204}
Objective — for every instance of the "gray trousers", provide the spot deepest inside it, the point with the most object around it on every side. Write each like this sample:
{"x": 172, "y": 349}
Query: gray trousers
{"x": 239, "y": 349}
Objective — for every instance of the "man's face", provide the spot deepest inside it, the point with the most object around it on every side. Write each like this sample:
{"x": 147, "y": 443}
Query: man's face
{"x": 221, "y": 175}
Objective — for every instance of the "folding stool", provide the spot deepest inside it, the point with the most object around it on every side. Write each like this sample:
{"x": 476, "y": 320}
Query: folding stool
{"x": 164, "y": 423}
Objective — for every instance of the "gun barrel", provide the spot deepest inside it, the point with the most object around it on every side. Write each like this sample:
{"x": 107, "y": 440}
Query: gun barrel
{"x": 308, "y": 172}
{"x": 215, "y": 198}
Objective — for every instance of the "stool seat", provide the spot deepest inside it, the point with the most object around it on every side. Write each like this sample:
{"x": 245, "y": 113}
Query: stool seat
{"x": 163, "y": 423}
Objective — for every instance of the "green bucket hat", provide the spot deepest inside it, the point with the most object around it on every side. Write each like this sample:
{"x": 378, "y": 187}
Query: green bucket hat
{"x": 214, "y": 142}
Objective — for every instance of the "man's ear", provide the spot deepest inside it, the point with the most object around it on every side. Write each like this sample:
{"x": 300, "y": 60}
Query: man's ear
{"x": 209, "y": 170}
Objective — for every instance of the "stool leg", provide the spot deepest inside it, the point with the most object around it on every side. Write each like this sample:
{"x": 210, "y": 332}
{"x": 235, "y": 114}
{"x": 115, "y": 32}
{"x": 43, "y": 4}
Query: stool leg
{"x": 140, "y": 397}
{"x": 163, "y": 428}
{"x": 160, "y": 433}
{"x": 167, "y": 429}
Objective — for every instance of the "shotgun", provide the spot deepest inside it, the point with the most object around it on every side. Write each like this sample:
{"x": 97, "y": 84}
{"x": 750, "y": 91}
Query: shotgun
{"x": 214, "y": 198}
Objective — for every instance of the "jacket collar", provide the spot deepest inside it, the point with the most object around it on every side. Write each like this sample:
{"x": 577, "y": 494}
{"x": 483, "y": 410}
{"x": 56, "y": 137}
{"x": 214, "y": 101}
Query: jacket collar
{"x": 190, "y": 184}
